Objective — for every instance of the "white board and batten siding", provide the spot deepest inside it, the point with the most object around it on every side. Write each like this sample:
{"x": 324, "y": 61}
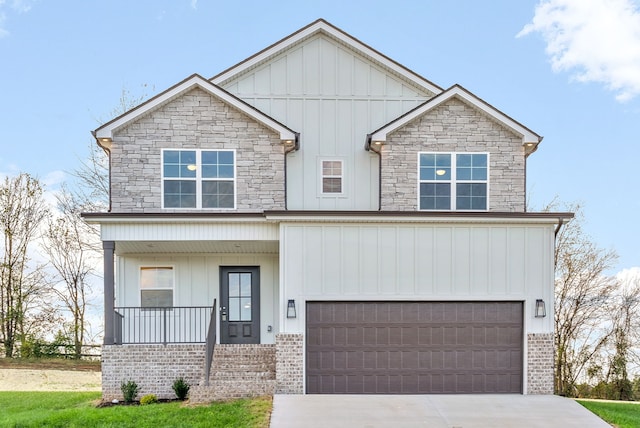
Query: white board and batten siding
{"x": 418, "y": 262}
{"x": 334, "y": 97}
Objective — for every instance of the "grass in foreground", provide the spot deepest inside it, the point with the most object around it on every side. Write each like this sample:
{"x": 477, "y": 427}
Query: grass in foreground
{"x": 78, "y": 409}
{"x": 622, "y": 415}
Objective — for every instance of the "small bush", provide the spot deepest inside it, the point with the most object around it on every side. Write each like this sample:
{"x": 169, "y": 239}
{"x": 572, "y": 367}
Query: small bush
{"x": 148, "y": 399}
{"x": 129, "y": 390}
{"x": 181, "y": 388}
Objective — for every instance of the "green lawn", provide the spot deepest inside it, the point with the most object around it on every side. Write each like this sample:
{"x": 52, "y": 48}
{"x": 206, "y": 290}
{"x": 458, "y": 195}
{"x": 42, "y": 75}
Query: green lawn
{"x": 78, "y": 409}
{"x": 622, "y": 415}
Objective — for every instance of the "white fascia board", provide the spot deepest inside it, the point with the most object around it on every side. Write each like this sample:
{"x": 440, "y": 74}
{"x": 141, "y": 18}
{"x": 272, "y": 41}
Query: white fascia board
{"x": 528, "y": 136}
{"x": 322, "y": 26}
{"x": 106, "y": 131}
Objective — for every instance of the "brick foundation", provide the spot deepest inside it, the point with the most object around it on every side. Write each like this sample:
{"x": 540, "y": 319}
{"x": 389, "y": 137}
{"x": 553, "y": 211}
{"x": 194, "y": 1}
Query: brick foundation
{"x": 540, "y": 363}
{"x": 289, "y": 363}
{"x": 152, "y": 367}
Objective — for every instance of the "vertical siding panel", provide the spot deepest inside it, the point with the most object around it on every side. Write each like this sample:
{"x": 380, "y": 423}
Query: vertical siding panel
{"x": 263, "y": 104}
{"x": 425, "y": 254}
{"x": 461, "y": 261}
{"x": 295, "y": 72}
{"x": 279, "y": 76}
{"x": 499, "y": 249}
{"x": 516, "y": 266}
{"x": 378, "y": 79}
{"x": 479, "y": 263}
{"x": 328, "y": 61}
{"x": 313, "y": 252}
{"x": 331, "y": 260}
{"x": 394, "y": 87}
{"x": 345, "y": 73}
{"x": 263, "y": 81}
{"x": 369, "y": 245}
{"x": 351, "y": 260}
{"x": 361, "y": 77}
{"x": 443, "y": 262}
{"x": 387, "y": 259}
{"x": 246, "y": 85}
{"x": 328, "y": 143}
{"x": 377, "y": 114}
{"x": 406, "y": 260}
{"x": 311, "y": 59}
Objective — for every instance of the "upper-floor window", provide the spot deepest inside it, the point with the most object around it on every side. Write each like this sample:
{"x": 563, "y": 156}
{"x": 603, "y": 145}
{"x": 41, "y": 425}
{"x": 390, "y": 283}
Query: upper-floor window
{"x": 198, "y": 178}
{"x": 331, "y": 176}
{"x": 453, "y": 181}
{"x": 156, "y": 287}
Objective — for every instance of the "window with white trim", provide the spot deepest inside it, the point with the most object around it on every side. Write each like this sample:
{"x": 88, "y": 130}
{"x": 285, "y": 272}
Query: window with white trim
{"x": 332, "y": 176}
{"x": 198, "y": 178}
{"x": 156, "y": 286}
{"x": 453, "y": 181}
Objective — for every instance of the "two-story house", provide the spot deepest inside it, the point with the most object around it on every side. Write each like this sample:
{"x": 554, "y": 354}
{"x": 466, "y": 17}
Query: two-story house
{"x": 360, "y": 229}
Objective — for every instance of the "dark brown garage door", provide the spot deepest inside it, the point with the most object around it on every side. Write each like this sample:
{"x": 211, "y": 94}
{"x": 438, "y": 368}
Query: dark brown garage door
{"x": 414, "y": 347}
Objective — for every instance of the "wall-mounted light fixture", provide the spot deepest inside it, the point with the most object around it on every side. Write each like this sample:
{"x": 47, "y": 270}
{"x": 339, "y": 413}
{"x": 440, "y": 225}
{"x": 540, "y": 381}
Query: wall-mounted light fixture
{"x": 291, "y": 308}
{"x": 541, "y": 310}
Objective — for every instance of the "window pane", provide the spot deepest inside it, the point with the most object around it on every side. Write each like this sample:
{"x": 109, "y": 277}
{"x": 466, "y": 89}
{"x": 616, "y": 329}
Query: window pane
{"x": 234, "y": 285}
{"x": 209, "y": 171}
{"x": 156, "y": 277}
{"x": 156, "y": 298}
{"x": 427, "y": 159}
{"x": 435, "y": 196}
{"x": 225, "y": 158}
{"x": 217, "y": 194}
{"x": 234, "y": 309}
{"x": 209, "y": 157}
{"x": 225, "y": 201}
{"x": 245, "y": 309}
{"x": 331, "y": 185}
{"x": 225, "y": 171}
{"x": 471, "y": 196}
{"x": 171, "y": 171}
{"x": 245, "y": 284}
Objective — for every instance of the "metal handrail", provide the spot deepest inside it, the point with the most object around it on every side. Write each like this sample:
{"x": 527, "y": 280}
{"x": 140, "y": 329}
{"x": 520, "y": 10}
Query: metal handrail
{"x": 118, "y": 321}
{"x": 211, "y": 343}
{"x": 176, "y": 324}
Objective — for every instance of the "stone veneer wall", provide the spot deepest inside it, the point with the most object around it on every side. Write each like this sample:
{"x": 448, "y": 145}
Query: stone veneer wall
{"x": 453, "y": 127}
{"x": 289, "y": 363}
{"x": 195, "y": 120}
{"x": 152, "y": 367}
{"x": 540, "y": 359}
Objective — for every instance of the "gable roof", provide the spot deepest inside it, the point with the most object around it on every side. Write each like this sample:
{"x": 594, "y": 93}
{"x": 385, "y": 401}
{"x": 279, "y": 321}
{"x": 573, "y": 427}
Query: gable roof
{"x": 529, "y": 138}
{"x": 321, "y": 26}
{"x": 104, "y": 134}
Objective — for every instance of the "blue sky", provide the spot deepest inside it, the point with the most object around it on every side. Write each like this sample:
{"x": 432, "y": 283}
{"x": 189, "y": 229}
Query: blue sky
{"x": 567, "y": 69}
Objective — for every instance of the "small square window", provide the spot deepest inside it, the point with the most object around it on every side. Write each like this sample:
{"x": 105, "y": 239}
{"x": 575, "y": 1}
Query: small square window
{"x": 156, "y": 287}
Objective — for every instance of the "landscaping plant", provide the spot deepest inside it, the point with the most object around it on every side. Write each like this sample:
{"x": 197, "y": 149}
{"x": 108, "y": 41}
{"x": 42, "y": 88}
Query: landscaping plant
{"x": 148, "y": 399}
{"x": 181, "y": 388}
{"x": 129, "y": 390}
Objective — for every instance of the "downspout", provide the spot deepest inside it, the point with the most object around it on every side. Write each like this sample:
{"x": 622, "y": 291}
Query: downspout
{"x": 108, "y": 152}
{"x": 294, "y": 147}
{"x": 368, "y": 147}
{"x": 558, "y": 227}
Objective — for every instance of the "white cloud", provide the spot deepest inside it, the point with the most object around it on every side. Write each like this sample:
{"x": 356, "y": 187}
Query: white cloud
{"x": 194, "y": 4}
{"x": 595, "y": 40}
{"x": 16, "y": 6}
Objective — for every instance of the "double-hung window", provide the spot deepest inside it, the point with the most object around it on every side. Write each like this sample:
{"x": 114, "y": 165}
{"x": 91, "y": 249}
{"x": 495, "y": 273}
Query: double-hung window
{"x": 198, "y": 178}
{"x": 331, "y": 177}
{"x": 453, "y": 181}
{"x": 156, "y": 287}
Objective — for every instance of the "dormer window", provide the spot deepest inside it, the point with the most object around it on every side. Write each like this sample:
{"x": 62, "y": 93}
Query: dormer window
{"x": 453, "y": 181}
{"x": 198, "y": 178}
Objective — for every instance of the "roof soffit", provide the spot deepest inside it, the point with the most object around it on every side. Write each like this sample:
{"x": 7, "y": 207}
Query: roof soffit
{"x": 104, "y": 134}
{"x": 322, "y": 28}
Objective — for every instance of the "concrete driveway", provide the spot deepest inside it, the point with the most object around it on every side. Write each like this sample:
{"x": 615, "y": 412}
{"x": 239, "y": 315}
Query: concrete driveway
{"x": 433, "y": 411}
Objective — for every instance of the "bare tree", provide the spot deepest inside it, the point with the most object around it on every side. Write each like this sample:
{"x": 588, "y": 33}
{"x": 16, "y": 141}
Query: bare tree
{"x": 583, "y": 293}
{"x": 70, "y": 246}
{"x": 22, "y": 210}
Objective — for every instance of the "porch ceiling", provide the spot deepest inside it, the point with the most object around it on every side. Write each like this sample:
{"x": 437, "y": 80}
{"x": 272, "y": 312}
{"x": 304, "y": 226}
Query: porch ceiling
{"x": 164, "y": 247}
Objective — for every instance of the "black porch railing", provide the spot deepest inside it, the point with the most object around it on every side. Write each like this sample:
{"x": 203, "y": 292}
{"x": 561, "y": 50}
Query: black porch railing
{"x": 211, "y": 343}
{"x": 177, "y": 324}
